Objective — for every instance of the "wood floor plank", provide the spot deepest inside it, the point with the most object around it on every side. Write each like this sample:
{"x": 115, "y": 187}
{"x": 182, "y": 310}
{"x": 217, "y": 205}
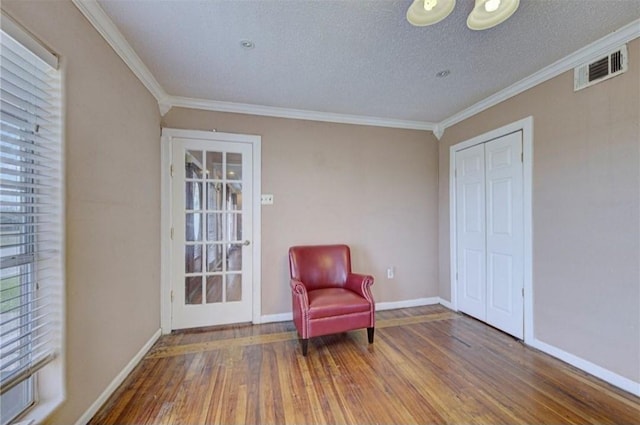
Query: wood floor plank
{"x": 314, "y": 390}
{"x": 528, "y": 391}
{"x": 557, "y": 382}
{"x": 481, "y": 378}
{"x": 427, "y": 365}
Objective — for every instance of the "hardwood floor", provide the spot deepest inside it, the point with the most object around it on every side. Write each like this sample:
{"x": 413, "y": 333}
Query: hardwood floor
{"x": 427, "y": 365}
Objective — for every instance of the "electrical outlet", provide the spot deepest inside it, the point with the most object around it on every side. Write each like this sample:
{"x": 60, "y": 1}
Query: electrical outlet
{"x": 391, "y": 272}
{"x": 267, "y": 199}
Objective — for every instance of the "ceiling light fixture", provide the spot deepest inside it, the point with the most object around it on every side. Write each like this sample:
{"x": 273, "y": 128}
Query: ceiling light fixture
{"x": 489, "y": 13}
{"x": 428, "y": 12}
{"x": 485, "y": 14}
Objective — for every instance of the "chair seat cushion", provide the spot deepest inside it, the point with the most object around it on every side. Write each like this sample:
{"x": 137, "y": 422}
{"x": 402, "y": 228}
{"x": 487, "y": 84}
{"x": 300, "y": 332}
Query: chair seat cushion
{"x": 329, "y": 302}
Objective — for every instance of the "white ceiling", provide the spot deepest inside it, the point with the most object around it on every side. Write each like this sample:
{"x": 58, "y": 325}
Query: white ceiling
{"x": 354, "y": 57}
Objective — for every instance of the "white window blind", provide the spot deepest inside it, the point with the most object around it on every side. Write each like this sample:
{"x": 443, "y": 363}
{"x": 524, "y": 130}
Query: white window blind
{"x": 31, "y": 205}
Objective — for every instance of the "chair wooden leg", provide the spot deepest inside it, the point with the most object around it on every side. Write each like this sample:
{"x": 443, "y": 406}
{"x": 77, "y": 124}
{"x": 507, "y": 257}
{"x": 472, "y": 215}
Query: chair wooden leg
{"x": 305, "y": 345}
{"x": 370, "y": 334}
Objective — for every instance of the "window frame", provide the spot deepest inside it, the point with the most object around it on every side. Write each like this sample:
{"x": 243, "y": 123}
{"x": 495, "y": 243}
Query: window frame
{"x": 48, "y": 382}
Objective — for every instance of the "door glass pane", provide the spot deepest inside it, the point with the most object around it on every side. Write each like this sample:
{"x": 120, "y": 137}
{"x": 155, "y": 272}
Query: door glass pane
{"x": 193, "y": 164}
{"x": 214, "y": 289}
{"x": 214, "y": 165}
{"x": 214, "y": 196}
{"x": 215, "y": 227}
{"x": 234, "y": 196}
{"x": 193, "y": 290}
{"x": 193, "y": 196}
{"x": 214, "y": 258}
{"x": 234, "y": 257}
{"x": 193, "y": 227}
{"x": 234, "y": 227}
{"x": 234, "y": 287}
{"x": 234, "y": 166}
{"x": 193, "y": 258}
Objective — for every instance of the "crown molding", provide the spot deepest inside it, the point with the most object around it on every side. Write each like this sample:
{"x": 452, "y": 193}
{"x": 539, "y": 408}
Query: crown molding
{"x": 108, "y": 30}
{"x": 602, "y": 46}
{"x": 300, "y": 114}
{"x": 103, "y": 24}
{"x": 165, "y": 105}
{"x": 438, "y": 131}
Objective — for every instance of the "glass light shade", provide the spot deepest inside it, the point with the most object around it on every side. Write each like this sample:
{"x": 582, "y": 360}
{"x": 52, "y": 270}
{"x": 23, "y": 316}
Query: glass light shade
{"x": 480, "y": 19}
{"x": 419, "y": 16}
{"x": 491, "y": 5}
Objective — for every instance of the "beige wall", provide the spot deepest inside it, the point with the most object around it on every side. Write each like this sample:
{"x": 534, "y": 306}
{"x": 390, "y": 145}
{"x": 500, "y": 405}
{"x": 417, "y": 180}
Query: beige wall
{"x": 376, "y": 189}
{"x": 113, "y": 200}
{"x": 586, "y": 194}
{"x": 372, "y": 188}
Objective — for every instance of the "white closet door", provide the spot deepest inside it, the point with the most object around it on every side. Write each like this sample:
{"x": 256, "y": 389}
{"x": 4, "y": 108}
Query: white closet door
{"x": 471, "y": 236}
{"x": 505, "y": 243}
{"x": 489, "y": 233}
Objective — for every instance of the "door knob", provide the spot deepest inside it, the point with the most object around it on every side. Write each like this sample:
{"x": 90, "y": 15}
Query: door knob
{"x": 246, "y": 243}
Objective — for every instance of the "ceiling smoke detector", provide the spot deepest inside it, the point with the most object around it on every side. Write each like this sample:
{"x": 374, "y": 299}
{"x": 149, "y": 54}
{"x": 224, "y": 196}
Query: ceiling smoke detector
{"x": 247, "y": 44}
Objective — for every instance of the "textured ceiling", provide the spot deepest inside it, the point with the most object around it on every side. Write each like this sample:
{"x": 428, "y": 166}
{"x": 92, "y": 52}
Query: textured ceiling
{"x": 357, "y": 57}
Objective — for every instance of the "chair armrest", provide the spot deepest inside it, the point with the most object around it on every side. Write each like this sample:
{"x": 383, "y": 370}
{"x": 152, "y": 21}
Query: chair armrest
{"x": 360, "y": 284}
{"x": 299, "y": 291}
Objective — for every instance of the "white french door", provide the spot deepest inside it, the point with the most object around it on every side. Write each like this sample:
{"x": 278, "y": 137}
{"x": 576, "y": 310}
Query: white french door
{"x": 212, "y": 255}
{"x": 490, "y": 232}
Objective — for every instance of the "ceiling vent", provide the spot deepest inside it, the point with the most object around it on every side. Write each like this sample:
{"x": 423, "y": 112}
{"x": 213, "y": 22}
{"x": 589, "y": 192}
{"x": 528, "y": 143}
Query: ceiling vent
{"x": 603, "y": 68}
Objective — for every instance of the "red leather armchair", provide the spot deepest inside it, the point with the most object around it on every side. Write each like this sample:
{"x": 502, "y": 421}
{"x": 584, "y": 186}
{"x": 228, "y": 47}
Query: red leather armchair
{"x": 327, "y": 297}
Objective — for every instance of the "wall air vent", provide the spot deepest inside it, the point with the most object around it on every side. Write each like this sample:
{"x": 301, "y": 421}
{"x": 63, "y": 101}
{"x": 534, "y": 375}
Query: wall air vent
{"x": 603, "y": 68}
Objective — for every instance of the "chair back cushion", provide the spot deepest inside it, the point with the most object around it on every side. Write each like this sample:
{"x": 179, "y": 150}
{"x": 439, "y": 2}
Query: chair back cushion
{"x": 320, "y": 266}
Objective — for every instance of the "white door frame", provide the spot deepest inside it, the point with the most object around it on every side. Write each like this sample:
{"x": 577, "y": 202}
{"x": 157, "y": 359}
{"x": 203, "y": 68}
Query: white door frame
{"x": 526, "y": 126}
{"x": 168, "y": 134}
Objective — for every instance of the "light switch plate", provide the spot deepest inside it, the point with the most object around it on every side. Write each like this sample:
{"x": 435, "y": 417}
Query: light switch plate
{"x": 267, "y": 199}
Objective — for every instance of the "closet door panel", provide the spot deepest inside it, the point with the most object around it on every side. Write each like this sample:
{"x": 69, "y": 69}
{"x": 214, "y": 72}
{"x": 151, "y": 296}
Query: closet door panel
{"x": 471, "y": 235}
{"x": 504, "y": 233}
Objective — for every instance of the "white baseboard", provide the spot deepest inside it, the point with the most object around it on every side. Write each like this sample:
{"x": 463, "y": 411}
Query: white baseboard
{"x": 280, "y": 317}
{"x": 418, "y": 302}
{"x": 93, "y": 409}
{"x": 591, "y": 368}
{"x": 284, "y": 317}
{"x": 447, "y": 304}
